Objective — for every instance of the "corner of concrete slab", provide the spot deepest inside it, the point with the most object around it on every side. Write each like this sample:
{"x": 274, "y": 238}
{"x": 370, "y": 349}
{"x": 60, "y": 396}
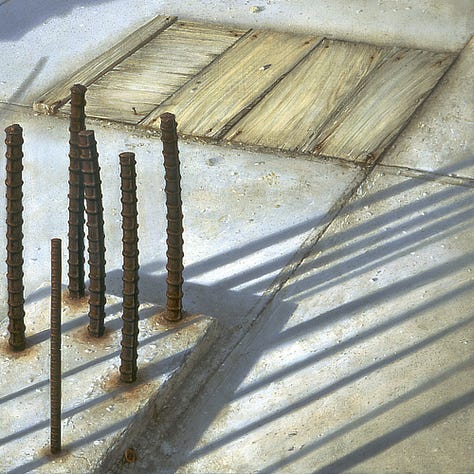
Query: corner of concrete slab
{"x": 100, "y": 415}
{"x": 165, "y": 398}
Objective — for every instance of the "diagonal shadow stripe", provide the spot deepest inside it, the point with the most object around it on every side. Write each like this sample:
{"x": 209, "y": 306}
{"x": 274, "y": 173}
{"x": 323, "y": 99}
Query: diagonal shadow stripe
{"x": 372, "y": 299}
{"x": 160, "y": 367}
{"x": 399, "y": 434}
{"x": 444, "y": 225}
{"x": 328, "y": 390}
{"x": 359, "y": 338}
{"x": 377, "y": 412}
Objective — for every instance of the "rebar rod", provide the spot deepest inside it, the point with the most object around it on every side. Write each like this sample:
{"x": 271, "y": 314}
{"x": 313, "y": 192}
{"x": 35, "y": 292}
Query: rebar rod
{"x": 95, "y": 231}
{"x": 174, "y": 217}
{"x": 76, "y": 195}
{"x": 128, "y": 355}
{"x": 55, "y": 357}
{"x": 14, "y": 196}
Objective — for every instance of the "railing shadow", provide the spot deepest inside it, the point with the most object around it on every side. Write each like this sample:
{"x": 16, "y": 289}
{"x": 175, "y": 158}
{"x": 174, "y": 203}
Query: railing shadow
{"x": 230, "y": 306}
{"x": 370, "y": 416}
{"x": 399, "y": 434}
{"x": 336, "y": 260}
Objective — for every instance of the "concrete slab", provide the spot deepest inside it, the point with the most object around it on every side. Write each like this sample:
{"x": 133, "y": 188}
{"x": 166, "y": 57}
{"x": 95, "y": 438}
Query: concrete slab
{"x": 440, "y": 136}
{"x": 245, "y": 213}
{"x": 363, "y": 362}
{"x": 99, "y": 412}
{"x": 408, "y": 409}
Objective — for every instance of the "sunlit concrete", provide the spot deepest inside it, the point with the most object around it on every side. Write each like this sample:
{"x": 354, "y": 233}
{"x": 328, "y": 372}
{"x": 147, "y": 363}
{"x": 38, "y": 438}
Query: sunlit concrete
{"x": 363, "y": 363}
{"x": 99, "y": 412}
{"x": 338, "y": 348}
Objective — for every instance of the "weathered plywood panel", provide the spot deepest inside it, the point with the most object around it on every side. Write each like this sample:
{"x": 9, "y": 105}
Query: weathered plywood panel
{"x": 136, "y": 86}
{"x": 218, "y": 96}
{"x": 367, "y": 122}
{"x": 59, "y": 95}
{"x": 301, "y": 103}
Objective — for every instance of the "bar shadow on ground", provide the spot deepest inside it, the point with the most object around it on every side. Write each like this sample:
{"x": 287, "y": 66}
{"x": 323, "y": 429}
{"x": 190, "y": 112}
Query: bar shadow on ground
{"x": 457, "y": 217}
{"x": 229, "y": 299}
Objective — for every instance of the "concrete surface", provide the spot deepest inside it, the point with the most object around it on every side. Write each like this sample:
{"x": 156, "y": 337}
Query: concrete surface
{"x": 99, "y": 413}
{"x": 345, "y": 311}
{"x": 363, "y": 362}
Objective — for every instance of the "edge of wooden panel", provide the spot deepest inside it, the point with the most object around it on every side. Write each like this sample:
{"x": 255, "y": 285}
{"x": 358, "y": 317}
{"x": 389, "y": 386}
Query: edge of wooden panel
{"x": 57, "y": 96}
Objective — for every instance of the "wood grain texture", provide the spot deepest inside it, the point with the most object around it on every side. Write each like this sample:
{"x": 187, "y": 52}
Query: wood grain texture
{"x": 50, "y": 102}
{"x": 377, "y": 111}
{"x": 136, "y": 86}
{"x": 299, "y": 105}
{"x": 218, "y": 96}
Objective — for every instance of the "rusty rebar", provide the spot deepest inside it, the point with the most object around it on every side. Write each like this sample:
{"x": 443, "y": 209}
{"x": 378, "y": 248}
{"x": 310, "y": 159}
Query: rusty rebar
{"x": 128, "y": 355}
{"x": 76, "y": 195}
{"x": 55, "y": 357}
{"x": 14, "y": 195}
{"x": 95, "y": 231}
{"x": 174, "y": 217}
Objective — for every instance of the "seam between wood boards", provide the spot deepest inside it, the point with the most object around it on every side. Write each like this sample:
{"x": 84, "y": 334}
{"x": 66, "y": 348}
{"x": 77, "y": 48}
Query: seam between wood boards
{"x": 392, "y": 137}
{"x": 55, "y": 106}
{"x": 242, "y": 113}
{"x": 171, "y": 21}
{"x": 205, "y": 68}
{"x": 309, "y": 144}
{"x": 391, "y": 142}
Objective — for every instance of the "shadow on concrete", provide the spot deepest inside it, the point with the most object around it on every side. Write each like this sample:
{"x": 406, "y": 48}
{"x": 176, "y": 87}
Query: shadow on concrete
{"x": 399, "y": 434}
{"x": 393, "y": 234}
{"x": 359, "y": 374}
{"x": 25, "y": 85}
{"x": 234, "y": 309}
{"x": 371, "y": 415}
{"x": 45, "y": 459}
{"x": 18, "y": 17}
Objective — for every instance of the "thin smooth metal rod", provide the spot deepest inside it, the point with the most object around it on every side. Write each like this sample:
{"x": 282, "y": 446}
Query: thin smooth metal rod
{"x": 14, "y": 195}
{"x": 76, "y": 195}
{"x": 174, "y": 216}
{"x": 128, "y": 355}
{"x": 95, "y": 231}
{"x": 55, "y": 371}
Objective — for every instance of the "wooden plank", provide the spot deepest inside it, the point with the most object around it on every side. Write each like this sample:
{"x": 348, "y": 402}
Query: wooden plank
{"x": 375, "y": 114}
{"x": 218, "y": 96}
{"x": 298, "y": 106}
{"x": 50, "y": 102}
{"x": 140, "y": 83}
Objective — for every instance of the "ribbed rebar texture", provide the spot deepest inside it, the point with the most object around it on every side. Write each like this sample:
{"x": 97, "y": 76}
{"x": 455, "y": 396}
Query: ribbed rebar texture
{"x": 76, "y": 195}
{"x": 174, "y": 216}
{"x": 95, "y": 231}
{"x": 128, "y": 355}
{"x": 55, "y": 357}
{"x": 14, "y": 195}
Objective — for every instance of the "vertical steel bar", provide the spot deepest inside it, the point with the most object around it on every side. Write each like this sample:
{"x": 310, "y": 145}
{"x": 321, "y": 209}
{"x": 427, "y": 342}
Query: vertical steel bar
{"x": 95, "y": 231}
{"x": 128, "y": 355}
{"x": 14, "y": 195}
{"x": 76, "y": 195}
{"x": 55, "y": 370}
{"x": 174, "y": 216}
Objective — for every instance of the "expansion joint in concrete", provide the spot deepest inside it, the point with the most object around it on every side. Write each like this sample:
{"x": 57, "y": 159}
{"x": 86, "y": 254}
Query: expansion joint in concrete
{"x": 428, "y": 175}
